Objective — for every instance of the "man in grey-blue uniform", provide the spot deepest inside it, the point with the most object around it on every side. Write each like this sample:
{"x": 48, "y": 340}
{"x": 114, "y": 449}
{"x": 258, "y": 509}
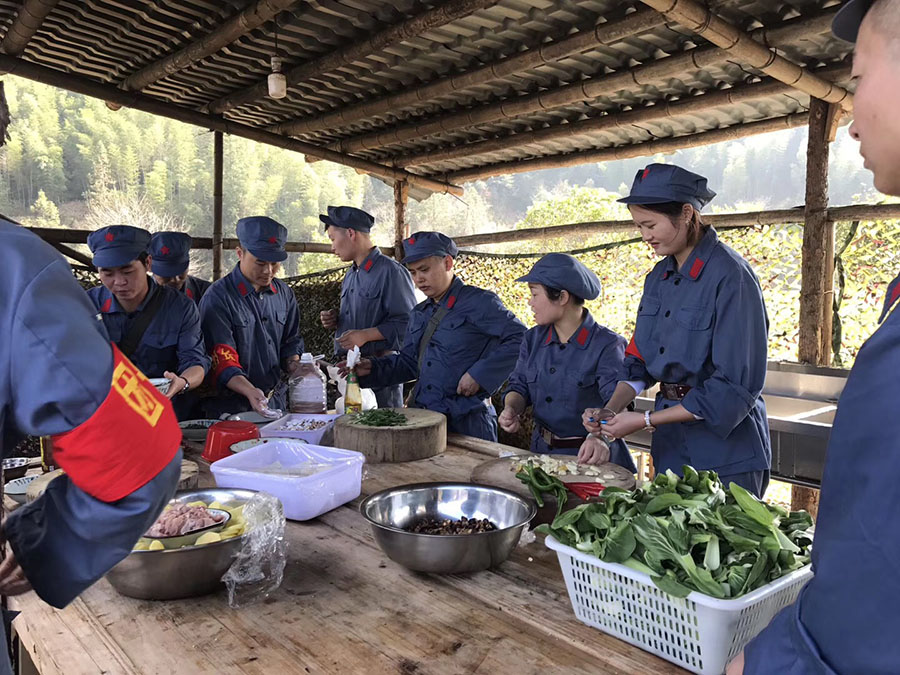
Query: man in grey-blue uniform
{"x": 461, "y": 343}
{"x": 62, "y": 378}
{"x": 846, "y": 618}
{"x": 171, "y": 255}
{"x": 376, "y": 295}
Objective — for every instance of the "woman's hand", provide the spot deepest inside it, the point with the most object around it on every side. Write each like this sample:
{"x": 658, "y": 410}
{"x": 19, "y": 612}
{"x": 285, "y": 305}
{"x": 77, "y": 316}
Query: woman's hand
{"x": 592, "y": 417}
{"x": 623, "y": 424}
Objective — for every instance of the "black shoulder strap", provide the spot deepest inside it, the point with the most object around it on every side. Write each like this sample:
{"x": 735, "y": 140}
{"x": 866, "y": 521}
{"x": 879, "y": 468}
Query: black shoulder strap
{"x": 432, "y": 326}
{"x": 129, "y": 343}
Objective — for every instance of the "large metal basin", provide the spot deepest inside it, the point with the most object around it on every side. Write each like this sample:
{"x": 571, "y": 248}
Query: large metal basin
{"x": 391, "y": 511}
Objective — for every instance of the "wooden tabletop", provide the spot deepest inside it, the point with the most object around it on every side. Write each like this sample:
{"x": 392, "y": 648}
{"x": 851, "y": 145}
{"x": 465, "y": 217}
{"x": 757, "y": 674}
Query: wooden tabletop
{"x": 343, "y": 607}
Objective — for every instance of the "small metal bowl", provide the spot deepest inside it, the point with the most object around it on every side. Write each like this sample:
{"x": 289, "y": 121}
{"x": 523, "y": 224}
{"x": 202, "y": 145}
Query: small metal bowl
{"x": 391, "y": 511}
{"x": 14, "y": 467}
{"x": 188, "y": 539}
{"x": 184, "y": 572}
{"x": 17, "y": 487}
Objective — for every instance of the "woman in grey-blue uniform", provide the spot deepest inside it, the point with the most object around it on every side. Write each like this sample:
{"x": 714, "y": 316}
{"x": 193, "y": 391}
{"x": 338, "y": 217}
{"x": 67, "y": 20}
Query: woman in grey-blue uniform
{"x": 701, "y": 333}
{"x": 567, "y": 363}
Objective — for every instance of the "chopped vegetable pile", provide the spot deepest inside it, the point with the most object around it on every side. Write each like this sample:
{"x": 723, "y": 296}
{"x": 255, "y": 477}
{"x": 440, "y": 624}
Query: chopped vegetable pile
{"x": 380, "y": 417}
{"x": 557, "y": 467}
{"x": 689, "y": 534}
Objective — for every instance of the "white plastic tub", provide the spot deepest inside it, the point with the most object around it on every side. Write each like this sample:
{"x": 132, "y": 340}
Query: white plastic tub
{"x": 279, "y": 428}
{"x": 699, "y": 632}
{"x": 303, "y": 497}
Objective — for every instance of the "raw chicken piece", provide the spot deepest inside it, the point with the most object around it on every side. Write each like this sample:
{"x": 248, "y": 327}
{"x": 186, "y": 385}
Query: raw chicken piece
{"x": 182, "y": 519}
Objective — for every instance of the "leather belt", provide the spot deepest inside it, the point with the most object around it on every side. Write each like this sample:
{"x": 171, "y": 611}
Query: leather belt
{"x": 555, "y": 441}
{"x": 674, "y": 392}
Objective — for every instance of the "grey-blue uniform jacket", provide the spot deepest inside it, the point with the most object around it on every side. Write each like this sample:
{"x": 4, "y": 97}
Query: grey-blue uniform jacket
{"x": 705, "y": 326}
{"x": 250, "y": 334}
{"x": 195, "y": 288}
{"x": 377, "y": 294}
{"x": 561, "y": 380}
{"x": 479, "y": 335}
{"x": 846, "y": 618}
{"x": 56, "y": 374}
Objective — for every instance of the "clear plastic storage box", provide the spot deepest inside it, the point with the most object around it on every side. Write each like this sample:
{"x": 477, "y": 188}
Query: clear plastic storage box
{"x": 699, "y": 632}
{"x": 280, "y": 468}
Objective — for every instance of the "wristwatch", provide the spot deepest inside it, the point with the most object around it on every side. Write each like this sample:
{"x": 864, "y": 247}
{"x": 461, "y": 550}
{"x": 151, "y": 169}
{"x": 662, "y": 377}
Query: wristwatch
{"x": 648, "y": 427}
{"x": 187, "y": 385}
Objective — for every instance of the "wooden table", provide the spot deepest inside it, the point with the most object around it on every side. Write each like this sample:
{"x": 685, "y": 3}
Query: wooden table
{"x": 343, "y": 607}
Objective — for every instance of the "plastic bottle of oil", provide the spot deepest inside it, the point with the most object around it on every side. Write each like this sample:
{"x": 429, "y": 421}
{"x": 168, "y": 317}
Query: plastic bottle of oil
{"x": 307, "y": 387}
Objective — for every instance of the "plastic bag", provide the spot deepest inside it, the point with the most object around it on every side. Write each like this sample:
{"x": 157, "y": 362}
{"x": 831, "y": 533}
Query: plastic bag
{"x": 258, "y": 569}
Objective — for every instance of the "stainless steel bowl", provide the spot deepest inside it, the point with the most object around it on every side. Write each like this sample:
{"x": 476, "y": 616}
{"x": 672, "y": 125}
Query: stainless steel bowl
{"x": 391, "y": 511}
{"x": 185, "y": 572}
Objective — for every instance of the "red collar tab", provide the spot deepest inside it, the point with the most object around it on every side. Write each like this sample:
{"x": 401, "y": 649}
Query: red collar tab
{"x": 368, "y": 265}
{"x": 667, "y": 274}
{"x": 632, "y": 350}
{"x": 242, "y": 288}
{"x": 696, "y": 268}
{"x": 106, "y": 306}
{"x": 451, "y": 301}
{"x": 894, "y": 295}
{"x": 582, "y": 336}
{"x": 273, "y": 287}
{"x": 549, "y": 336}
{"x": 98, "y": 455}
{"x": 188, "y": 292}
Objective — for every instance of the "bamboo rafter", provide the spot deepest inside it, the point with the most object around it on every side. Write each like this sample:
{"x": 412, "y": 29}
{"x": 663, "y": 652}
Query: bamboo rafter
{"x": 569, "y": 94}
{"x": 27, "y": 22}
{"x": 428, "y": 20}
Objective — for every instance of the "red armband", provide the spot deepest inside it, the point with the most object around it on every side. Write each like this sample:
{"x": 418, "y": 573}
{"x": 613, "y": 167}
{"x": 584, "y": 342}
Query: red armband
{"x": 128, "y": 440}
{"x": 632, "y": 350}
{"x": 223, "y": 356}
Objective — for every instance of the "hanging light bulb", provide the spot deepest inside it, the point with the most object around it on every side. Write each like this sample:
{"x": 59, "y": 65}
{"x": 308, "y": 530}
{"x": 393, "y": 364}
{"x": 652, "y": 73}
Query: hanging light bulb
{"x": 277, "y": 80}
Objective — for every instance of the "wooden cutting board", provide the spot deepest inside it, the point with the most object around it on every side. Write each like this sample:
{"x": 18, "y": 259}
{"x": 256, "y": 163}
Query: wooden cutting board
{"x": 500, "y": 473}
{"x": 423, "y": 436}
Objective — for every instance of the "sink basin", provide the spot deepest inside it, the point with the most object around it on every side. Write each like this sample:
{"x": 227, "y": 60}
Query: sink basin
{"x": 785, "y": 407}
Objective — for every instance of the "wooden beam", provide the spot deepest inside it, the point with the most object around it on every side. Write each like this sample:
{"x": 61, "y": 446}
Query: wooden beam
{"x": 698, "y": 18}
{"x": 689, "y": 105}
{"x": 107, "y": 92}
{"x": 628, "y": 151}
{"x": 433, "y": 18}
{"x": 238, "y": 25}
{"x": 604, "y": 34}
{"x": 218, "y": 180}
{"x": 650, "y": 73}
{"x": 833, "y": 121}
{"x": 401, "y": 226}
{"x": 27, "y": 22}
{"x": 73, "y": 254}
{"x": 816, "y": 231}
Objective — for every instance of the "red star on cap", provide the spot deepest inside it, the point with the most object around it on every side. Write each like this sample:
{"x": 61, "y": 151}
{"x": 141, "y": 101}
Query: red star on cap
{"x": 110, "y": 236}
{"x": 164, "y": 250}
{"x": 646, "y": 173}
{"x": 273, "y": 240}
{"x": 411, "y": 240}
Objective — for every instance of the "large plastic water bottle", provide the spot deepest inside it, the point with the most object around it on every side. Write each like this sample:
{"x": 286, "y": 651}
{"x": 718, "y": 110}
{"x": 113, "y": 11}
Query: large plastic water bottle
{"x": 307, "y": 387}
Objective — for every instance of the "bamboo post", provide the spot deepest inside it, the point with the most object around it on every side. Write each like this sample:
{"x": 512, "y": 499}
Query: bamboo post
{"x": 401, "y": 227}
{"x": 357, "y": 50}
{"x": 818, "y": 252}
{"x": 218, "y": 179}
{"x": 107, "y": 92}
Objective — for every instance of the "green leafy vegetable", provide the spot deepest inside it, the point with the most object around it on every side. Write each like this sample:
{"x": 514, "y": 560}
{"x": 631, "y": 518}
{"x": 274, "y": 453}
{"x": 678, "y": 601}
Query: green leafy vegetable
{"x": 690, "y": 534}
{"x": 380, "y": 417}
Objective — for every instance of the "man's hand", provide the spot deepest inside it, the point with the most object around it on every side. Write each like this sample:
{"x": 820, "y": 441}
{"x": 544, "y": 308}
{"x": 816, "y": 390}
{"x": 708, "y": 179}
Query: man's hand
{"x": 292, "y": 367}
{"x": 176, "y": 384}
{"x": 258, "y": 400}
{"x": 509, "y": 421}
{"x": 363, "y": 368}
{"x": 467, "y": 385}
{"x": 736, "y": 667}
{"x": 329, "y": 319}
{"x": 353, "y": 338}
{"x": 593, "y": 451}
{"x": 12, "y": 578}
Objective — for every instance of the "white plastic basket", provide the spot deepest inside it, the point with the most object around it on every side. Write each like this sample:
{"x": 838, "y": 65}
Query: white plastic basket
{"x": 698, "y": 632}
